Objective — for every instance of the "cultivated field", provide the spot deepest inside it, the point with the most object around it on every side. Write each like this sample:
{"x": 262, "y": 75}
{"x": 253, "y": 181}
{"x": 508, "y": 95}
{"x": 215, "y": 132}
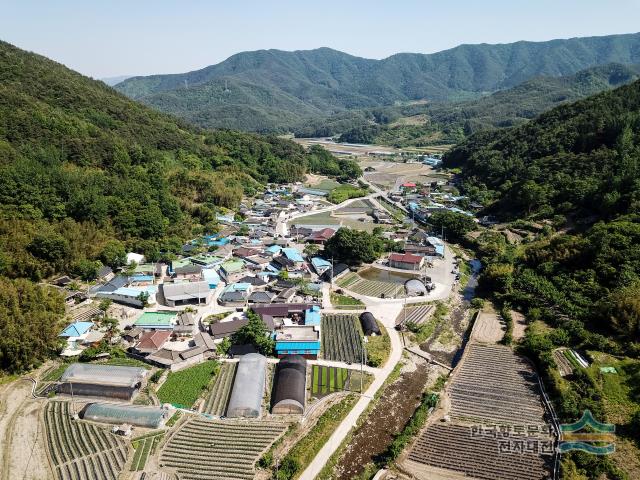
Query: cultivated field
{"x": 498, "y": 429}
{"x": 204, "y": 449}
{"x": 184, "y": 387}
{"x": 416, "y": 315}
{"x": 456, "y": 447}
{"x": 495, "y": 385}
{"x": 376, "y": 288}
{"x": 216, "y": 402}
{"x": 145, "y": 445}
{"x": 81, "y": 450}
{"x": 326, "y": 380}
{"x": 341, "y": 338}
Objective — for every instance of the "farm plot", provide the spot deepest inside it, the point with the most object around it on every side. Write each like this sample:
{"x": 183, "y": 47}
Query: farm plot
{"x": 341, "y": 338}
{"x": 495, "y": 385}
{"x": 455, "y": 447}
{"x": 81, "y": 450}
{"x": 184, "y": 387}
{"x": 216, "y": 403}
{"x": 416, "y": 315}
{"x": 376, "y": 288}
{"x": 326, "y": 380}
{"x": 205, "y": 449}
{"x": 349, "y": 279}
{"x": 145, "y": 446}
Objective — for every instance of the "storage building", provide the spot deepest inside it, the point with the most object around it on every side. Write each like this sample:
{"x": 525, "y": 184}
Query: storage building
{"x": 248, "y": 387}
{"x": 101, "y": 380}
{"x": 118, "y": 413}
{"x": 289, "y": 388}
{"x": 369, "y": 324}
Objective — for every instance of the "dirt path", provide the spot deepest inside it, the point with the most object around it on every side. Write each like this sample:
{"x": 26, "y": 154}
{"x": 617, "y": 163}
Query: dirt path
{"x": 392, "y": 411}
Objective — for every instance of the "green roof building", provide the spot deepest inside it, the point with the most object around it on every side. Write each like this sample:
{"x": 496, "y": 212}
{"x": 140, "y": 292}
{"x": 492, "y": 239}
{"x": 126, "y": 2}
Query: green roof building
{"x": 156, "y": 320}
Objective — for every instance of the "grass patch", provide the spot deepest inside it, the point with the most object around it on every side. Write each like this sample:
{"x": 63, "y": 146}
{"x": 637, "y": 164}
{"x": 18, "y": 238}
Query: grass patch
{"x": 126, "y": 362}
{"x": 378, "y": 348}
{"x": 344, "y": 192}
{"x": 52, "y": 375}
{"x": 301, "y": 455}
{"x": 183, "y": 388}
{"x": 344, "y": 300}
{"x": 426, "y": 330}
{"x": 173, "y": 420}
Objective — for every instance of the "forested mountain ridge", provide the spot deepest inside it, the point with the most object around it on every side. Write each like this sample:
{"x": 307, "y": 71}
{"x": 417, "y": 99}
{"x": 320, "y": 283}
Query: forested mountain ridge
{"x": 450, "y": 122}
{"x": 86, "y": 173}
{"x": 572, "y": 175}
{"x": 282, "y": 89}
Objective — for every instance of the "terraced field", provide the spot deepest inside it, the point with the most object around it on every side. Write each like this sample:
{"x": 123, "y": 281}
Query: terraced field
{"x": 145, "y": 445}
{"x": 80, "y": 450}
{"x": 219, "y": 450}
{"x": 454, "y": 447}
{"x": 216, "y": 403}
{"x": 494, "y": 390}
{"x": 416, "y": 315}
{"x": 371, "y": 288}
{"x": 341, "y": 338}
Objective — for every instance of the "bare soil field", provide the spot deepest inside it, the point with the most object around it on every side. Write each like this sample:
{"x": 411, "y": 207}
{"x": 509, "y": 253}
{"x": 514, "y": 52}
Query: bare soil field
{"x": 388, "y": 417}
{"x": 22, "y": 446}
{"x": 488, "y": 327}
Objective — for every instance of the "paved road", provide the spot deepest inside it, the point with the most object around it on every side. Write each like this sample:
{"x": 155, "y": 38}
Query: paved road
{"x": 387, "y": 314}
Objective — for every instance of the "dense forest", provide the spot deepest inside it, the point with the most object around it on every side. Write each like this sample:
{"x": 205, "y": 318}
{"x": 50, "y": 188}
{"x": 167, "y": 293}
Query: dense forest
{"x": 421, "y": 124}
{"x": 86, "y": 172}
{"x": 571, "y": 176}
{"x": 277, "y": 91}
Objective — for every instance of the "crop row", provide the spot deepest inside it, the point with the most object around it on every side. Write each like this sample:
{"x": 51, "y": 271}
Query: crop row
{"x": 326, "y": 380}
{"x": 218, "y": 398}
{"x": 375, "y": 288}
{"x": 204, "y": 449}
{"x": 341, "y": 340}
{"x": 144, "y": 447}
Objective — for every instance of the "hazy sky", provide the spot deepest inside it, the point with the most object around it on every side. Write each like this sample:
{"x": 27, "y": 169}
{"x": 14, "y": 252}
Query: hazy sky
{"x": 139, "y": 37}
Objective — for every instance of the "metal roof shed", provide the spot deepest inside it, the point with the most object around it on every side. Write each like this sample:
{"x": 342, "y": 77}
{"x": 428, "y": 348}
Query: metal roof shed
{"x": 148, "y": 417}
{"x": 248, "y": 387}
{"x": 101, "y": 380}
{"x": 289, "y": 386}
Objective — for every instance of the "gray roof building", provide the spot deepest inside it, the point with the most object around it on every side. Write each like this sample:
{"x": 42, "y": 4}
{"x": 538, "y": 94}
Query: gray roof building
{"x": 176, "y": 294}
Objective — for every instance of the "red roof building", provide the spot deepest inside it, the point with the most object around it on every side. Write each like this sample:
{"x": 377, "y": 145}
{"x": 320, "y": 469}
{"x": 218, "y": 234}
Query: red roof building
{"x": 406, "y": 261}
{"x": 152, "y": 341}
{"x": 321, "y": 236}
{"x": 408, "y": 185}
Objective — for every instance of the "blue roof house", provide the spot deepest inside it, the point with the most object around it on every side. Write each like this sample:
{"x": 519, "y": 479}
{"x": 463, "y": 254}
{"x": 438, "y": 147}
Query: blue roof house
{"x": 76, "y": 329}
{"x": 312, "y": 316}
{"x": 211, "y": 277}
{"x": 293, "y": 255}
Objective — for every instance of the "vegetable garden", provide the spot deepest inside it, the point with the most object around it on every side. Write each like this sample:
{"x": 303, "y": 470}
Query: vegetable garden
{"x": 81, "y": 450}
{"x": 145, "y": 445}
{"x": 325, "y": 380}
{"x": 341, "y": 338}
{"x": 216, "y": 403}
{"x": 372, "y": 288}
{"x": 183, "y": 388}
{"x": 205, "y": 449}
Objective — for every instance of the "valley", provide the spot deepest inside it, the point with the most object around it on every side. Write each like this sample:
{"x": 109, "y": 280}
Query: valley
{"x": 310, "y": 265}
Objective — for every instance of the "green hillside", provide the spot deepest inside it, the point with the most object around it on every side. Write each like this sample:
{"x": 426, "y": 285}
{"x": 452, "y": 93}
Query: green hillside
{"x": 425, "y": 124}
{"x": 571, "y": 176}
{"x": 273, "y": 90}
{"x": 86, "y": 173}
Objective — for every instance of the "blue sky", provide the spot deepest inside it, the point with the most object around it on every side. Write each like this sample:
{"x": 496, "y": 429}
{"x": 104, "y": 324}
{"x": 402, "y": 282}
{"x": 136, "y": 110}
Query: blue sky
{"x": 139, "y": 37}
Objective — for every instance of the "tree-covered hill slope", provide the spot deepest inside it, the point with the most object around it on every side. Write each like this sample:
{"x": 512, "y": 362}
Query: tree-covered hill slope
{"x": 282, "y": 90}
{"x": 86, "y": 173}
{"x": 572, "y": 176}
{"x": 423, "y": 124}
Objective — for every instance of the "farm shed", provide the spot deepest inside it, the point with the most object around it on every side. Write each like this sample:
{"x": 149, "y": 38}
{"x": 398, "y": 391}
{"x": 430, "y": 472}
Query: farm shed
{"x": 248, "y": 387}
{"x": 116, "y": 413}
{"x": 289, "y": 388}
{"x": 101, "y": 380}
{"x": 369, "y": 324}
